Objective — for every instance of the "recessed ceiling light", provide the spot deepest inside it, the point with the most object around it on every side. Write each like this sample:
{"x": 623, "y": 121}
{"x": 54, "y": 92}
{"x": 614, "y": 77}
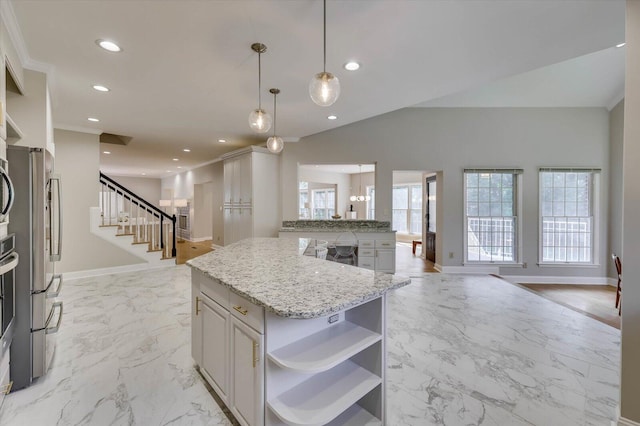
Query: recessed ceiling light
{"x": 106, "y": 152}
{"x": 351, "y": 66}
{"x": 168, "y": 171}
{"x": 186, "y": 150}
{"x": 332, "y": 117}
{"x": 144, "y": 174}
{"x": 108, "y": 45}
{"x": 175, "y": 159}
{"x": 621, "y": 44}
{"x": 100, "y": 88}
{"x": 179, "y": 167}
{"x": 95, "y": 120}
{"x": 222, "y": 140}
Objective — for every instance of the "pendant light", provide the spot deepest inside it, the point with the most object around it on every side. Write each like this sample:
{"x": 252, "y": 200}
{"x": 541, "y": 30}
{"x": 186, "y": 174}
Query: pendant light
{"x": 324, "y": 87}
{"x": 360, "y": 197}
{"x": 275, "y": 143}
{"x": 259, "y": 119}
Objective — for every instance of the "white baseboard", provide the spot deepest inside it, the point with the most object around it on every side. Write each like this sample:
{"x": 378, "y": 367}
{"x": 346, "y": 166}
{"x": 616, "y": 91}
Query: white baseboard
{"x": 215, "y": 246}
{"x": 541, "y": 279}
{"x": 200, "y": 239}
{"x": 115, "y": 270}
{"x": 467, "y": 269}
{"x": 626, "y": 422}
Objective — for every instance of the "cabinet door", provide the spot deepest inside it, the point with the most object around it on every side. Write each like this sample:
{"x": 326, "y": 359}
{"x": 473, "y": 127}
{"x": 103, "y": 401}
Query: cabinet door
{"x": 244, "y": 179}
{"x": 227, "y": 181}
{"x": 386, "y": 260}
{"x": 215, "y": 348}
{"x": 247, "y": 374}
{"x": 196, "y": 320}
{"x": 229, "y": 228}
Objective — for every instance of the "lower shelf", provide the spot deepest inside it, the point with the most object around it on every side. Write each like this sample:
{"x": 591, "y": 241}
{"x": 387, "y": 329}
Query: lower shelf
{"x": 356, "y": 416}
{"x": 325, "y": 396}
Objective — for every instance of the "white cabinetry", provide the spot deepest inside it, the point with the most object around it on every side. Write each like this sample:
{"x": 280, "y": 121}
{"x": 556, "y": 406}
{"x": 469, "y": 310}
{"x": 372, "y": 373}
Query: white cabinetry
{"x": 227, "y": 347}
{"x": 251, "y": 200}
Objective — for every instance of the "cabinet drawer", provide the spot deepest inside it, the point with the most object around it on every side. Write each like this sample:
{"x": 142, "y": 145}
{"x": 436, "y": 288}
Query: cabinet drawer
{"x": 385, "y": 244}
{"x": 247, "y": 312}
{"x": 366, "y": 252}
{"x": 215, "y": 291}
{"x": 366, "y": 262}
{"x": 365, "y": 243}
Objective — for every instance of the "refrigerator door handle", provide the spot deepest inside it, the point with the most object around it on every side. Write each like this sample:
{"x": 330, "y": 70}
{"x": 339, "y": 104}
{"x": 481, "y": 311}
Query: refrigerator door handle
{"x": 46, "y": 328}
{"x": 55, "y": 293}
{"x": 7, "y": 179}
{"x": 56, "y": 256}
{"x": 10, "y": 263}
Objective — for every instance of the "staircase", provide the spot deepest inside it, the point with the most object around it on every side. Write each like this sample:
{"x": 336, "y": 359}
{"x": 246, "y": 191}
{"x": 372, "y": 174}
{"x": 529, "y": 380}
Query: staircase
{"x": 133, "y": 224}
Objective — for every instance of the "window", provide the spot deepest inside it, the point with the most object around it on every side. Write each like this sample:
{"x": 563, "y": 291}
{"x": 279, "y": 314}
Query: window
{"x": 407, "y": 208}
{"x": 371, "y": 204}
{"x": 324, "y": 202}
{"x": 567, "y": 215}
{"x": 491, "y": 219}
{"x": 303, "y": 201}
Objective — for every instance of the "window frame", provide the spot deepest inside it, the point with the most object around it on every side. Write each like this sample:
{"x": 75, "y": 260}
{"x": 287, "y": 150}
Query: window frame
{"x": 371, "y": 204}
{"x": 327, "y": 209}
{"x": 594, "y": 207}
{"x": 517, "y": 209}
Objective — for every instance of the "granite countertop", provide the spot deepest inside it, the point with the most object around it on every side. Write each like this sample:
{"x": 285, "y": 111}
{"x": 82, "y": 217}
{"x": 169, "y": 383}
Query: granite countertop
{"x": 355, "y": 225}
{"x": 273, "y": 273}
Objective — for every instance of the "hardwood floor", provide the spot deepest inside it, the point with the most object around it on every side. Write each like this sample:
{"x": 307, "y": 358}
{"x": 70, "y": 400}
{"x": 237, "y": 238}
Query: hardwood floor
{"x": 407, "y": 263}
{"x": 186, "y": 250}
{"x": 595, "y": 301}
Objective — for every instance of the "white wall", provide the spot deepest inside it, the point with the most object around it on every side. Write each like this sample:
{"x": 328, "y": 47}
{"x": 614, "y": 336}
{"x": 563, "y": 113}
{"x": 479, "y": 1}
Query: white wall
{"x": 78, "y": 162}
{"x": 614, "y": 229}
{"x": 450, "y": 139}
{"x": 182, "y": 186}
{"x": 202, "y": 226}
{"x": 147, "y": 188}
{"x": 630, "y": 367}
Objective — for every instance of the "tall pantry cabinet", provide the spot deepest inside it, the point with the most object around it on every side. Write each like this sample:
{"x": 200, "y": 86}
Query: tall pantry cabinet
{"x": 251, "y": 194}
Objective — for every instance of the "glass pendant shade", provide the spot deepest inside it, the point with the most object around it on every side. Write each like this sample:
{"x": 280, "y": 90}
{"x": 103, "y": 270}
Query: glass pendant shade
{"x": 275, "y": 144}
{"x": 324, "y": 89}
{"x": 259, "y": 121}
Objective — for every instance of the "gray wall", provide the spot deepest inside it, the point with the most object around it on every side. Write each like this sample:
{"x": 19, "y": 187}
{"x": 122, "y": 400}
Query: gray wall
{"x": 147, "y": 188}
{"x": 614, "y": 228}
{"x": 78, "y": 161}
{"x": 450, "y": 139}
{"x": 630, "y": 368}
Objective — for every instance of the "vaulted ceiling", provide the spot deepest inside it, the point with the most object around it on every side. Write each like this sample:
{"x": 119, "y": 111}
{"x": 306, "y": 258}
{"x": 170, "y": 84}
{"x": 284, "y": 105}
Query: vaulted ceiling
{"x": 187, "y": 77}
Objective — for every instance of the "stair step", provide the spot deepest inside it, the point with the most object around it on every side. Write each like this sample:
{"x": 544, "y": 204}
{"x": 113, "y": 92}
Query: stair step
{"x": 141, "y": 242}
{"x": 154, "y": 250}
{"x": 124, "y": 235}
{"x": 107, "y": 226}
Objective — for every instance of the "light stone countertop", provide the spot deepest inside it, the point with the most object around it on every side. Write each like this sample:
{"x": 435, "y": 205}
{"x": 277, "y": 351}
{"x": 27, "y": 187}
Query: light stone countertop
{"x": 273, "y": 273}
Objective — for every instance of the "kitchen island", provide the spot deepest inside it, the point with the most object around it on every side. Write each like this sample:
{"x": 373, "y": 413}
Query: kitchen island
{"x": 290, "y": 339}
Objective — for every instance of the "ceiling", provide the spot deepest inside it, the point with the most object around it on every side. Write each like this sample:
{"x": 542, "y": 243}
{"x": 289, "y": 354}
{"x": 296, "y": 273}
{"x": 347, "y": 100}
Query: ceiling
{"x": 339, "y": 168}
{"x": 187, "y": 76}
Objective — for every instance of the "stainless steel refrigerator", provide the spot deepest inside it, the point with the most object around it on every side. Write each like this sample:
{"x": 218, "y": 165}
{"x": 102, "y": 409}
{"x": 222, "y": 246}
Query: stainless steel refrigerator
{"x": 36, "y": 221}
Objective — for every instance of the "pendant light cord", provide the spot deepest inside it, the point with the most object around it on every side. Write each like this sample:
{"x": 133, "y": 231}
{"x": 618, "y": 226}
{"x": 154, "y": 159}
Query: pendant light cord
{"x": 259, "y": 81}
{"x": 274, "y": 115}
{"x": 324, "y": 26}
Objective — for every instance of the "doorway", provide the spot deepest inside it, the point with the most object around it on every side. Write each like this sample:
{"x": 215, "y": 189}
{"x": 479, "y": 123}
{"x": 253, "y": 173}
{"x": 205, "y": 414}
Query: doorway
{"x": 429, "y": 244}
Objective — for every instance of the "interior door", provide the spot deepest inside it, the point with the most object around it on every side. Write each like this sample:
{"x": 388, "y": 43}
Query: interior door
{"x": 429, "y": 245}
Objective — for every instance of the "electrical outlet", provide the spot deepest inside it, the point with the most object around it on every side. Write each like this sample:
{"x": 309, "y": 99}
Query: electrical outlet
{"x": 524, "y": 265}
{"x": 334, "y": 318}
{"x": 450, "y": 255}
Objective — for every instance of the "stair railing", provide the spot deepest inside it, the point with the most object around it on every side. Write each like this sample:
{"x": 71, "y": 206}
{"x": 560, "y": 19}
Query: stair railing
{"x": 121, "y": 207}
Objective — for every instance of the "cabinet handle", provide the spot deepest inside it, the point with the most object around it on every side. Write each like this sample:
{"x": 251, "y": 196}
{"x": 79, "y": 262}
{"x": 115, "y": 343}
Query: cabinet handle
{"x": 197, "y": 305}
{"x": 255, "y": 358}
{"x": 241, "y": 310}
{"x": 376, "y": 253}
{"x": 8, "y": 386}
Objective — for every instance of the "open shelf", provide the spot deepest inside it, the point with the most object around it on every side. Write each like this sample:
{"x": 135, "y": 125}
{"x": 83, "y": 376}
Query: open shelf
{"x": 356, "y": 416}
{"x": 324, "y": 396}
{"x": 14, "y": 133}
{"x": 325, "y": 349}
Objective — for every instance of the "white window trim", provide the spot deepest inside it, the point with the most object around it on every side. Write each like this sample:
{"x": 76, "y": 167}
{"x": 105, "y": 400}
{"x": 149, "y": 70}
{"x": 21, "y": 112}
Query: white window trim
{"x": 596, "y": 196}
{"x": 312, "y": 206}
{"x": 518, "y": 227}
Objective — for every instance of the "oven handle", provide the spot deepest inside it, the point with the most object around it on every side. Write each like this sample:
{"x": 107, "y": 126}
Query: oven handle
{"x": 8, "y": 265}
{"x": 5, "y": 176}
{"x": 46, "y": 328}
{"x": 55, "y": 293}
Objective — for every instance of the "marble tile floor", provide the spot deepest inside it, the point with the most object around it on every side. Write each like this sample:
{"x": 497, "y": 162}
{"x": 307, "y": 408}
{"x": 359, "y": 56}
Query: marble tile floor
{"x": 462, "y": 350}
